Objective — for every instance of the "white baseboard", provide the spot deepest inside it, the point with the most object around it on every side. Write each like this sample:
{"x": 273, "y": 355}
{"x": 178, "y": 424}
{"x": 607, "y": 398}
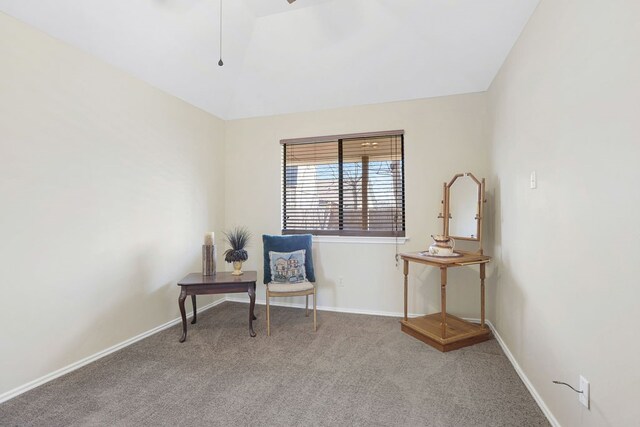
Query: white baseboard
{"x": 72, "y": 367}
{"x": 80, "y": 363}
{"x": 543, "y": 406}
{"x": 503, "y": 346}
{"x": 275, "y": 302}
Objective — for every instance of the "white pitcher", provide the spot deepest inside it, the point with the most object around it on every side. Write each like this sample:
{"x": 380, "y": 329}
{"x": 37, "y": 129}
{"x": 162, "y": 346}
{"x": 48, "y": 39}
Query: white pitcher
{"x": 442, "y": 246}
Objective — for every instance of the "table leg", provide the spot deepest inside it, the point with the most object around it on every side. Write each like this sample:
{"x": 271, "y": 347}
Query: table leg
{"x": 443, "y": 300}
{"x": 406, "y": 281}
{"x": 195, "y": 312}
{"x": 482, "y": 276}
{"x": 183, "y": 314}
{"x": 254, "y": 292}
{"x": 252, "y": 297}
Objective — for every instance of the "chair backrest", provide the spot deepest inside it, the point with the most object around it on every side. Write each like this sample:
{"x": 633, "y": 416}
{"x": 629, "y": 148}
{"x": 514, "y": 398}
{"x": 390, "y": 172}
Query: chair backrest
{"x": 289, "y": 243}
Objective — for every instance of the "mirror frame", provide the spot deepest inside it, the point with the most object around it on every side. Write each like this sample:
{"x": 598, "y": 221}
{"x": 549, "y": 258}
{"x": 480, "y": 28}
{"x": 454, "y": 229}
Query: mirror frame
{"x": 446, "y": 214}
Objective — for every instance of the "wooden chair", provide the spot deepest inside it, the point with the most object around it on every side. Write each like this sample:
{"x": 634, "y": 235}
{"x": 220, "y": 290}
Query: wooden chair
{"x": 290, "y": 243}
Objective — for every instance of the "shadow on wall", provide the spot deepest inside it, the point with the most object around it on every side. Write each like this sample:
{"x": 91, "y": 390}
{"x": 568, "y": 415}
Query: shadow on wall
{"x": 329, "y": 287}
{"x": 504, "y": 294}
{"x": 492, "y": 246}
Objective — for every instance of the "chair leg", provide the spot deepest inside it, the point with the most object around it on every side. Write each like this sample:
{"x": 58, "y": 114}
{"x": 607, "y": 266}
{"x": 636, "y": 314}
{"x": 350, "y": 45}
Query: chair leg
{"x": 306, "y": 307}
{"x": 315, "y": 322}
{"x": 268, "y": 316}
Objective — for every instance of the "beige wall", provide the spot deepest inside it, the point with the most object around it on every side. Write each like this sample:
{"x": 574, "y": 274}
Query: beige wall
{"x": 106, "y": 183}
{"x": 443, "y": 136}
{"x": 566, "y": 105}
{"x": 106, "y": 187}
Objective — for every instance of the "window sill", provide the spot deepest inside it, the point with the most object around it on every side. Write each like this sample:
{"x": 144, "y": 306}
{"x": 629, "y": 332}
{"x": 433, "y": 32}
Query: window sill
{"x": 361, "y": 239}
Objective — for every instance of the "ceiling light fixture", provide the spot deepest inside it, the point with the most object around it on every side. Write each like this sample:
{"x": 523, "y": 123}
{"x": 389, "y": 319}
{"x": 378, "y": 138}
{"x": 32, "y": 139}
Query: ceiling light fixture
{"x": 220, "y": 63}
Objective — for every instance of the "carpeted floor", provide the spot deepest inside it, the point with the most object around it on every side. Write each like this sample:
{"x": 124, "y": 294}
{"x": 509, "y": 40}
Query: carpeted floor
{"x": 356, "y": 370}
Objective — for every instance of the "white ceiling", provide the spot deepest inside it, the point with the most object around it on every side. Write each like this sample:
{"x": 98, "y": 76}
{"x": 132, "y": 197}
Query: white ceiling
{"x": 281, "y": 58}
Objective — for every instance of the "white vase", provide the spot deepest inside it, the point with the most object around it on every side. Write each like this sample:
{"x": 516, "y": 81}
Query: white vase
{"x": 237, "y": 268}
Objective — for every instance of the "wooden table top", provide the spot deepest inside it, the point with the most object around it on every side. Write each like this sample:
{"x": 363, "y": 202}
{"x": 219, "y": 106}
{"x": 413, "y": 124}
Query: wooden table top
{"x": 466, "y": 258}
{"x": 220, "y": 278}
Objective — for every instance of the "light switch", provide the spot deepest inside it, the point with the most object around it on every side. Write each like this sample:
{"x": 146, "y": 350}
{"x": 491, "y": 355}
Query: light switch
{"x": 534, "y": 180}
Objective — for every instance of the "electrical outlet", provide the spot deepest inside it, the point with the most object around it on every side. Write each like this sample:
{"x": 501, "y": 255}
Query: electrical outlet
{"x": 534, "y": 180}
{"x": 341, "y": 282}
{"x": 584, "y": 396}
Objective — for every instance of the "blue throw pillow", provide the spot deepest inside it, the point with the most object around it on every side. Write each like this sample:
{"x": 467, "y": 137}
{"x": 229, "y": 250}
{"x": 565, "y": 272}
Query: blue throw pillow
{"x": 288, "y": 243}
{"x": 287, "y": 267}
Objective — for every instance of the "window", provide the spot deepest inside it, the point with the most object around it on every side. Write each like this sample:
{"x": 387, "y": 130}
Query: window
{"x": 349, "y": 185}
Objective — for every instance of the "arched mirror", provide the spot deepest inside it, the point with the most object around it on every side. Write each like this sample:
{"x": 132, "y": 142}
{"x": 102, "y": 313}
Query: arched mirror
{"x": 463, "y": 208}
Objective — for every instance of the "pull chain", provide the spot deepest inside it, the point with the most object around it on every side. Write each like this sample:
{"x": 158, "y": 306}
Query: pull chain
{"x": 220, "y": 63}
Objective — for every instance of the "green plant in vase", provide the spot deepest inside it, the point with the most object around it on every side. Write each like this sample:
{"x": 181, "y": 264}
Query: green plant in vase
{"x": 238, "y": 238}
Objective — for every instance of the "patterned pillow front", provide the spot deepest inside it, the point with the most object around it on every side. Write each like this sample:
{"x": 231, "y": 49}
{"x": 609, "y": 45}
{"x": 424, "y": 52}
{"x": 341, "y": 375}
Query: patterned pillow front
{"x": 287, "y": 267}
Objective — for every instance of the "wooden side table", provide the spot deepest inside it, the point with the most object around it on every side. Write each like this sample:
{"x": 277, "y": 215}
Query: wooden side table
{"x": 222, "y": 282}
{"x": 441, "y": 330}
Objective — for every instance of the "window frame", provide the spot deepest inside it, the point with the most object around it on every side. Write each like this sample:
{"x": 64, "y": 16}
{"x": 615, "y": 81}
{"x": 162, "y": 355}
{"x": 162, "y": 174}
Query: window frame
{"x": 400, "y": 202}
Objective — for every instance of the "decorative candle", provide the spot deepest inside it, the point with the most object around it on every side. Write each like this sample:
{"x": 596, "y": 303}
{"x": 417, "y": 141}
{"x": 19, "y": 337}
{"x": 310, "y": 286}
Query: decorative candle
{"x": 208, "y": 260}
{"x": 209, "y": 238}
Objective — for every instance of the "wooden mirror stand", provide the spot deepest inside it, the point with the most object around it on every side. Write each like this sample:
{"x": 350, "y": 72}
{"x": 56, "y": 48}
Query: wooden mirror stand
{"x": 442, "y": 330}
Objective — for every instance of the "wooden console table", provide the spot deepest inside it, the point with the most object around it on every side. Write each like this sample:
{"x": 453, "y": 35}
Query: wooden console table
{"x": 223, "y": 282}
{"x": 441, "y": 330}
